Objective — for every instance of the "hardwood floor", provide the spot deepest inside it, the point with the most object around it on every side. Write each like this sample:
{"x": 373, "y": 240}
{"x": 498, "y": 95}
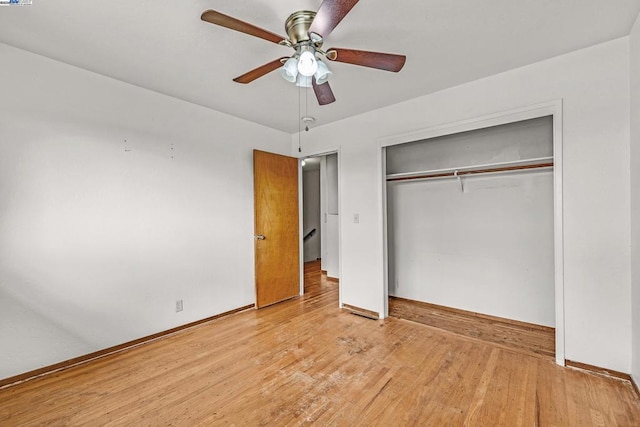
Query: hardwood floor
{"x": 306, "y": 361}
{"x": 525, "y": 337}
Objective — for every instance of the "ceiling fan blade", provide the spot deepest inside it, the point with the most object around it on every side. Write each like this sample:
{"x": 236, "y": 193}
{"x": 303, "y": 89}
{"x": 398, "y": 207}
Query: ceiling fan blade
{"x": 381, "y": 61}
{"x": 260, "y": 71}
{"x": 323, "y": 93}
{"x": 235, "y": 24}
{"x": 329, "y": 15}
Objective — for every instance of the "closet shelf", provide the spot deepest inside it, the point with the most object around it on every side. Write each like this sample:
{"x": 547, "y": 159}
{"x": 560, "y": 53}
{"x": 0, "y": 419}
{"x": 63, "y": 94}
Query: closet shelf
{"x": 502, "y": 167}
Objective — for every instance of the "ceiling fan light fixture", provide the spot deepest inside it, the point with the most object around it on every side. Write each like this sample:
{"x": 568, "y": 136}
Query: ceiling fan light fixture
{"x": 323, "y": 73}
{"x": 307, "y": 64}
{"x": 306, "y": 31}
{"x": 289, "y": 70}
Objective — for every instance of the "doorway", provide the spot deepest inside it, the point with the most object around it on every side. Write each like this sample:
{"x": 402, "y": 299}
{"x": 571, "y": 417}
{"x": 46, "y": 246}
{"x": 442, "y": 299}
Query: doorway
{"x": 320, "y": 214}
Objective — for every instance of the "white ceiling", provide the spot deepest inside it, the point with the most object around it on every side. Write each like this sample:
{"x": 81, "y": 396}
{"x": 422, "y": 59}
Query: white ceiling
{"x": 165, "y": 47}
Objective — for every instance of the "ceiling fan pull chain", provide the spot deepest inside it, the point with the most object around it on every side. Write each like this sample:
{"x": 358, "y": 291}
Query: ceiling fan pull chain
{"x": 299, "y": 130}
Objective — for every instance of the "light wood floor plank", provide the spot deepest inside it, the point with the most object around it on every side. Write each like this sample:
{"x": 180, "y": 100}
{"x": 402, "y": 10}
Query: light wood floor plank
{"x": 305, "y": 361}
{"x": 525, "y": 337}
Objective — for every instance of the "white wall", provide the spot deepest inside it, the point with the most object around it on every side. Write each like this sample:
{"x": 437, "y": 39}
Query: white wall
{"x": 311, "y": 213}
{"x": 594, "y": 85}
{"x": 488, "y": 249}
{"x": 332, "y": 184}
{"x": 635, "y": 195}
{"x": 515, "y": 141}
{"x": 115, "y": 202}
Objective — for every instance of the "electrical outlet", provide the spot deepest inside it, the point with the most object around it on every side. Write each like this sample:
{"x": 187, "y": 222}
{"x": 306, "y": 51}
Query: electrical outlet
{"x": 179, "y": 306}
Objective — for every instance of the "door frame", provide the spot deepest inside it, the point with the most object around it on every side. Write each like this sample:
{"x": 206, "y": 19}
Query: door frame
{"x": 321, "y": 153}
{"x": 552, "y": 108}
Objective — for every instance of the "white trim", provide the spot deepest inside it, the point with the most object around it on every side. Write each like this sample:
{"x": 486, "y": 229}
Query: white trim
{"x": 558, "y": 230}
{"x": 384, "y": 312}
{"x": 552, "y": 108}
{"x": 300, "y": 228}
{"x": 496, "y": 119}
{"x": 340, "y": 218}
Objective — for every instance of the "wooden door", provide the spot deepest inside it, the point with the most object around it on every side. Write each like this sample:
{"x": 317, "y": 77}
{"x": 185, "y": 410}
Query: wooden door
{"x": 277, "y": 238}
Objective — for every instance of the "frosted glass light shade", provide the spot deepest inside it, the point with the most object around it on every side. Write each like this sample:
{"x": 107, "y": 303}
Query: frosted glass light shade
{"x": 304, "y": 81}
{"x": 323, "y": 73}
{"x": 289, "y": 70}
{"x": 307, "y": 64}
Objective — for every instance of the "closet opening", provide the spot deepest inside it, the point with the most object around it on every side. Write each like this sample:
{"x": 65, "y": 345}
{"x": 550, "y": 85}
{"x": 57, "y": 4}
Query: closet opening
{"x": 470, "y": 233}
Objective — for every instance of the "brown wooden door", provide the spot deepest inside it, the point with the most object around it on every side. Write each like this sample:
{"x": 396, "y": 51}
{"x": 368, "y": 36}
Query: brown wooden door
{"x": 276, "y": 227}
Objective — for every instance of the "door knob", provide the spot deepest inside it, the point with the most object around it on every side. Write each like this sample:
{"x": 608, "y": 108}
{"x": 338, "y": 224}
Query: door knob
{"x": 259, "y": 237}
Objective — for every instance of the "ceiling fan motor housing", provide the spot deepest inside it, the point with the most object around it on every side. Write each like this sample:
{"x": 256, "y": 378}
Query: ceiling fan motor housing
{"x": 297, "y": 25}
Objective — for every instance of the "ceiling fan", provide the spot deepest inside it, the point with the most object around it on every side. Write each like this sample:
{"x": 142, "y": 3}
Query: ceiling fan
{"x": 306, "y": 31}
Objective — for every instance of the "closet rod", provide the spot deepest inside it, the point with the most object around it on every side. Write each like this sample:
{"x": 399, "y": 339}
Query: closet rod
{"x": 457, "y": 173}
{"x": 531, "y": 161}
